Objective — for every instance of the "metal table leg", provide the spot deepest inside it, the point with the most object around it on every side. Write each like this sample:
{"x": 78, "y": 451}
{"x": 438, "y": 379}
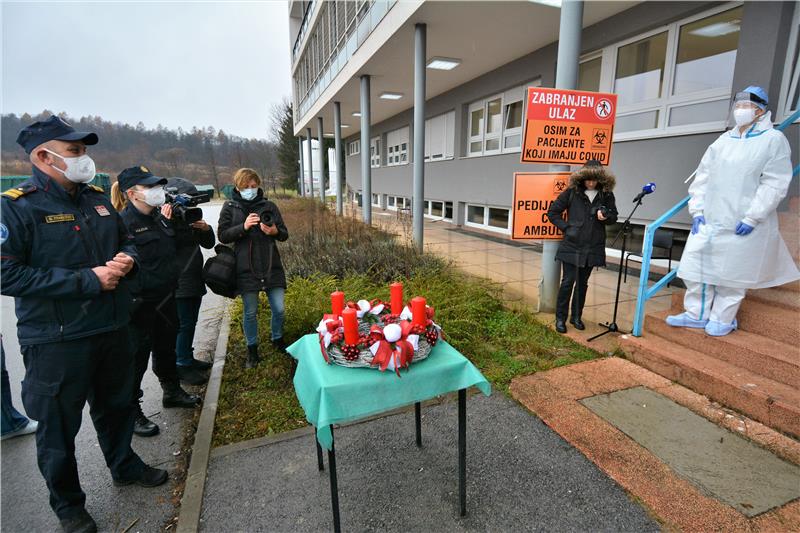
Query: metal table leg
{"x": 337, "y": 528}
{"x": 418, "y": 423}
{"x": 462, "y": 450}
{"x": 320, "y": 464}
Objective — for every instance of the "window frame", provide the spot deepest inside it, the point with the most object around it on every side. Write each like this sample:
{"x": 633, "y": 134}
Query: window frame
{"x": 427, "y": 213}
{"x": 397, "y": 150}
{"x": 375, "y": 157}
{"x": 667, "y": 101}
{"x": 485, "y": 225}
{"x": 508, "y": 97}
{"x": 790, "y": 81}
{"x": 449, "y": 140}
{"x": 354, "y": 148}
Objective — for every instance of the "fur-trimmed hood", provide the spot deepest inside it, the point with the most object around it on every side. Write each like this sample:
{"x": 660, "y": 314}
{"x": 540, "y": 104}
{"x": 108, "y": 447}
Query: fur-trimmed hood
{"x": 605, "y": 179}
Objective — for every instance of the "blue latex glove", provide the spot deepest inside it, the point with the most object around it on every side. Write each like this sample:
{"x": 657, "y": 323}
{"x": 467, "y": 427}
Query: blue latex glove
{"x": 743, "y": 229}
{"x": 696, "y": 222}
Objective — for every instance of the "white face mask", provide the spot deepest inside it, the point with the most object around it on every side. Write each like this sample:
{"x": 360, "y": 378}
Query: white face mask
{"x": 744, "y": 116}
{"x": 248, "y": 194}
{"x": 154, "y": 197}
{"x": 79, "y": 169}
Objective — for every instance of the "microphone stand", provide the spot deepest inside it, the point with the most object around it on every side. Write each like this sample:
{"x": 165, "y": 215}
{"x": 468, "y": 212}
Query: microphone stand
{"x": 624, "y": 232}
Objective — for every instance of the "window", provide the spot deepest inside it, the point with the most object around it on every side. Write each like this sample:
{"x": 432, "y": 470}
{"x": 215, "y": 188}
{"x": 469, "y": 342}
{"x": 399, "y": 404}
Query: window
{"x": 398, "y": 202}
{"x": 589, "y": 74}
{"x": 390, "y": 202}
{"x": 440, "y": 137}
{"x": 488, "y": 217}
{"x": 375, "y": 152}
{"x": 439, "y": 210}
{"x": 674, "y": 80}
{"x": 495, "y": 124}
{"x": 397, "y": 147}
{"x": 376, "y": 200}
{"x": 354, "y": 148}
{"x": 790, "y": 85}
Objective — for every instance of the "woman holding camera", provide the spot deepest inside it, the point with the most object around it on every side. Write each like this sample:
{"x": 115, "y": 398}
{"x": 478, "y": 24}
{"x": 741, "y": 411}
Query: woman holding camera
{"x": 254, "y": 225}
{"x": 590, "y": 207}
{"x": 139, "y": 195}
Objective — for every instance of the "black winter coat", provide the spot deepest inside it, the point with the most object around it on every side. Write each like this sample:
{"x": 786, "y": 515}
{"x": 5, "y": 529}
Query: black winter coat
{"x": 189, "y": 259}
{"x": 584, "y": 241}
{"x": 258, "y": 263}
{"x": 154, "y": 237}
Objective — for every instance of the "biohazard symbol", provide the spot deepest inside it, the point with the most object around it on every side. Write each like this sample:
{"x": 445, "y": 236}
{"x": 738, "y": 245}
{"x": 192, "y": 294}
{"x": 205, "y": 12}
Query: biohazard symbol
{"x": 559, "y": 185}
{"x": 603, "y": 108}
{"x": 599, "y": 136}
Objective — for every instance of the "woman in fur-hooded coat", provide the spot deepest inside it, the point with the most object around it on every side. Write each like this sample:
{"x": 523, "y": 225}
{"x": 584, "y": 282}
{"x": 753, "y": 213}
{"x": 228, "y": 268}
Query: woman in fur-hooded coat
{"x": 590, "y": 206}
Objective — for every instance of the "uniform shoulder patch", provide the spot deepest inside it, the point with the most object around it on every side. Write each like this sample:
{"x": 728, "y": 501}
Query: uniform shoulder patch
{"x": 18, "y": 192}
{"x": 96, "y": 188}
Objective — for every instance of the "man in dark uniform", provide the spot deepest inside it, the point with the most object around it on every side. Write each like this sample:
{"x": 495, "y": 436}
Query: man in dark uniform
{"x": 65, "y": 260}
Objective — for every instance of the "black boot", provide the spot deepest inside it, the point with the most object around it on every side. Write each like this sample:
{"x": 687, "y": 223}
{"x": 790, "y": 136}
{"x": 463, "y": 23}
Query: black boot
{"x": 143, "y": 426}
{"x": 148, "y": 477}
{"x": 191, "y": 375}
{"x": 175, "y": 396}
{"x": 561, "y": 327}
{"x": 201, "y": 365}
{"x": 80, "y": 523}
{"x": 577, "y": 322}
{"x": 279, "y": 344}
{"x": 252, "y": 357}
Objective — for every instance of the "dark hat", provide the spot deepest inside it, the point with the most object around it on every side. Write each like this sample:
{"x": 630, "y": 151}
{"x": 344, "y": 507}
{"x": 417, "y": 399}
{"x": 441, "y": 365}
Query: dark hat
{"x": 593, "y": 163}
{"x": 181, "y": 186}
{"x": 138, "y": 176}
{"x": 54, "y": 128}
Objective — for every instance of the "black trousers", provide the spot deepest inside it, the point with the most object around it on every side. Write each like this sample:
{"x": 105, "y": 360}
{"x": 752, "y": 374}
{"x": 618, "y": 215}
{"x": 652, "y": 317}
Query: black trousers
{"x": 577, "y": 277}
{"x": 59, "y": 378}
{"x": 154, "y": 326}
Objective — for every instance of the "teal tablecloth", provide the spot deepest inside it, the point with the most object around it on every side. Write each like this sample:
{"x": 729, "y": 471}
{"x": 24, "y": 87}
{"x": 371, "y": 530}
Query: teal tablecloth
{"x": 332, "y": 394}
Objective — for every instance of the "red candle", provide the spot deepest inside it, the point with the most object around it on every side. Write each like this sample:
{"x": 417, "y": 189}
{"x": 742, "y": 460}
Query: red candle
{"x": 397, "y": 298}
{"x": 418, "y": 316}
{"x": 337, "y": 303}
{"x": 350, "y": 319}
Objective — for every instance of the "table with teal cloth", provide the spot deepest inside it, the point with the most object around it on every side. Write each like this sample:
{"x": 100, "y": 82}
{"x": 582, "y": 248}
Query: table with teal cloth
{"x": 332, "y": 394}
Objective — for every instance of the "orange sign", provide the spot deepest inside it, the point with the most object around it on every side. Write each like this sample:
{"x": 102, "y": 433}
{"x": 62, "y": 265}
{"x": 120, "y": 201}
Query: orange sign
{"x": 568, "y": 127}
{"x": 533, "y": 194}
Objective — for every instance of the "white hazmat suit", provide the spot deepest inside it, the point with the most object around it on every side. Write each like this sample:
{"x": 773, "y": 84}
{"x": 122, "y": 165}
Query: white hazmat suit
{"x": 741, "y": 178}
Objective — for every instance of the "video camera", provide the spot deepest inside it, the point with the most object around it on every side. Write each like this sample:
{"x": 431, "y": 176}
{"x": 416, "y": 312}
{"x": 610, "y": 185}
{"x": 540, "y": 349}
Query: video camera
{"x": 184, "y": 205}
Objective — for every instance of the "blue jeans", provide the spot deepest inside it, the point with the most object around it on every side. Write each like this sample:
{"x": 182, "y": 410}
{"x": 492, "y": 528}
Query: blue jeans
{"x": 188, "y": 311}
{"x": 250, "y": 301}
{"x": 12, "y": 420}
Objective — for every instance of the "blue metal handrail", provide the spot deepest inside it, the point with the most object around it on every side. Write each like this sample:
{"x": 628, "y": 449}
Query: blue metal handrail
{"x": 646, "y": 293}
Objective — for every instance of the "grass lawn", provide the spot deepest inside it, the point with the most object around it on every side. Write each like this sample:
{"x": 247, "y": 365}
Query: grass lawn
{"x": 325, "y": 253}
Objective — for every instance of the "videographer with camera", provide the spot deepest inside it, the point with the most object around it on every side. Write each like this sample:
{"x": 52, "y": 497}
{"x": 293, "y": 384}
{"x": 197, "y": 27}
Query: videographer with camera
{"x": 191, "y": 232}
{"x": 154, "y": 324}
{"x": 590, "y": 207}
{"x": 254, "y": 225}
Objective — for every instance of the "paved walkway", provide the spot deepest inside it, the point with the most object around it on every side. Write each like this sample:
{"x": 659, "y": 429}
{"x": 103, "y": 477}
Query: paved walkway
{"x": 521, "y": 476}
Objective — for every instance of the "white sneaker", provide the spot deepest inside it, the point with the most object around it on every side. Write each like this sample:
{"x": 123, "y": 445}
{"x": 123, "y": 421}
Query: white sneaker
{"x": 30, "y": 427}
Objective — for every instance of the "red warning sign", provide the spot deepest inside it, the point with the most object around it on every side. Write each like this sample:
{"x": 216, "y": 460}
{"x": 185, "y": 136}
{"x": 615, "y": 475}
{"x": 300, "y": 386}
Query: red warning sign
{"x": 568, "y": 127}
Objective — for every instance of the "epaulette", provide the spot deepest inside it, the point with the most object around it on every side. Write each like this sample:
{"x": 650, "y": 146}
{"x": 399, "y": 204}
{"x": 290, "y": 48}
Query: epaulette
{"x": 96, "y": 188}
{"x": 18, "y": 192}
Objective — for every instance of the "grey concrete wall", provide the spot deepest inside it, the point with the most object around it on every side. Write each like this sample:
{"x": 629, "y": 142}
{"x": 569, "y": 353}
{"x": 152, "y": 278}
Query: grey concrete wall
{"x": 664, "y": 160}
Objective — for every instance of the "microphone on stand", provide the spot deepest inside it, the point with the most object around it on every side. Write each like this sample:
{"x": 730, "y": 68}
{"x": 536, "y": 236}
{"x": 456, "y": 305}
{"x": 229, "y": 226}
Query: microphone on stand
{"x": 647, "y": 189}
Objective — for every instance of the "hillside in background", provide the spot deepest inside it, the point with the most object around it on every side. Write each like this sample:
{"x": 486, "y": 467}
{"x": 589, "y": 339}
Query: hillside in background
{"x": 204, "y": 156}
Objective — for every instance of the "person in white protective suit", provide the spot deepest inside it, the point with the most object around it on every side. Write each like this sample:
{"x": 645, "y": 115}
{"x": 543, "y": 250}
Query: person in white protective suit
{"x": 735, "y": 243}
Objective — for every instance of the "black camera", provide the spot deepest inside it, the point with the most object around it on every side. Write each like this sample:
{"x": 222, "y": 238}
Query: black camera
{"x": 184, "y": 205}
{"x": 265, "y": 216}
{"x": 602, "y": 209}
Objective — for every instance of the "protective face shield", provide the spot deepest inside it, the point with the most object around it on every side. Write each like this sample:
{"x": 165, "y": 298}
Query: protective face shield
{"x": 747, "y": 107}
{"x": 79, "y": 169}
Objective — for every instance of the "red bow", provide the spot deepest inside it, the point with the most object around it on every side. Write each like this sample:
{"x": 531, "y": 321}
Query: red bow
{"x": 401, "y": 354}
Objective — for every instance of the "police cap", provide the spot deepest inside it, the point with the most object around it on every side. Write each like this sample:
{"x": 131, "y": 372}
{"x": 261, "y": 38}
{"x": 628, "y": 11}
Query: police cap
{"x": 54, "y": 128}
{"x": 138, "y": 176}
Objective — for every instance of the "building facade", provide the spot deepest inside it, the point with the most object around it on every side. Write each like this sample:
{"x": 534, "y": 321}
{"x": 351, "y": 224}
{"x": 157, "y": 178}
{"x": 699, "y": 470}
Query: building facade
{"x": 674, "y": 66}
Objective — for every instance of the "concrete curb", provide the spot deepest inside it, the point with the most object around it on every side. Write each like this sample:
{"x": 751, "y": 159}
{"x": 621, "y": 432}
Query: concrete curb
{"x": 192, "y": 500}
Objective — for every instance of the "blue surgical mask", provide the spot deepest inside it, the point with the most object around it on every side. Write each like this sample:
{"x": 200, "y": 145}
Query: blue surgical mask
{"x": 248, "y": 194}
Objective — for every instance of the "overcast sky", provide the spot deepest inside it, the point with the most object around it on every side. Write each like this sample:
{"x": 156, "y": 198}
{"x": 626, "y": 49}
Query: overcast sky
{"x": 220, "y": 64}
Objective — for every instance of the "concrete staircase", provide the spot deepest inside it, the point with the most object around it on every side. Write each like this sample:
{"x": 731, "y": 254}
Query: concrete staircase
{"x": 754, "y": 370}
